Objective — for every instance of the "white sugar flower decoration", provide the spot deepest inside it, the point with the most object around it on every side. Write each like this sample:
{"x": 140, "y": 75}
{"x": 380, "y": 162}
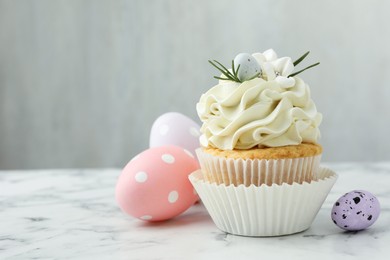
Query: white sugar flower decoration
{"x": 276, "y": 69}
{"x": 280, "y": 69}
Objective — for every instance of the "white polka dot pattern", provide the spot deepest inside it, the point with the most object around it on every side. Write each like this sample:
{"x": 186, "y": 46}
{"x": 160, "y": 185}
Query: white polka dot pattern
{"x": 146, "y": 217}
{"x": 141, "y": 177}
{"x": 168, "y": 158}
{"x": 173, "y": 196}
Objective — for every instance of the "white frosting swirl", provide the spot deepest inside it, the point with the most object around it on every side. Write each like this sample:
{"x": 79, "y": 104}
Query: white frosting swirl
{"x": 258, "y": 113}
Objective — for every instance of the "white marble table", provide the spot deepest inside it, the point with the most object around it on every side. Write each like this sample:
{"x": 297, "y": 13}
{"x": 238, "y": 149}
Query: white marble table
{"x": 72, "y": 214}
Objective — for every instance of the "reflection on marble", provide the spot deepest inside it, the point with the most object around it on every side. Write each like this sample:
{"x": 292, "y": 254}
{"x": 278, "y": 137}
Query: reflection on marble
{"x": 72, "y": 214}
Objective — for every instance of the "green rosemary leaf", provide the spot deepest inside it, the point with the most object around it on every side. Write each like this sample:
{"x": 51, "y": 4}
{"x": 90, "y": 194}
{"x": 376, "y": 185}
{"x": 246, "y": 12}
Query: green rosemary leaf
{"x": 233, "y": 69}
{"x": 255, "y": 76}
{"x": 227, "y": 71}
{"x": 308, "y": 67}
{"x": 221, "y": 70}
{"x": 237, "y": 70}
{"x": 301, "y": 58}
{"x": 220, "y": 78}
{"x": 229, "y": 75}
{"x": 216, "y": 66}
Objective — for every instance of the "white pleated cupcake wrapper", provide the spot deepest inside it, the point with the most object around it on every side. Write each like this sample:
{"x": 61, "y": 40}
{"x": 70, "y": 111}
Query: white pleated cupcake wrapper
{"x": 266, "y": 210}
{"x": 254, "y": 171}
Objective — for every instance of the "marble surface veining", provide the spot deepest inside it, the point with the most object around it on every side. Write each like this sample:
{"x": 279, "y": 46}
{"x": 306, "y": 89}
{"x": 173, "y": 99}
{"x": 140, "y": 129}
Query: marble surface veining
{"x": 72, "y": 214}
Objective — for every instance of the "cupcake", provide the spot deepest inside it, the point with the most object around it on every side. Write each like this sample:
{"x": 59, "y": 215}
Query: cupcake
{"x": 259, "y": 155}
{"x": 259, "y": 126}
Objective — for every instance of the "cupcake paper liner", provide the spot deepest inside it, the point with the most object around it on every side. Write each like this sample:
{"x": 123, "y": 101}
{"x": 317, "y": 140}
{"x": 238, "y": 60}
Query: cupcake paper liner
{"x": 256, "y": 171}
{"x": 266, "y": 210}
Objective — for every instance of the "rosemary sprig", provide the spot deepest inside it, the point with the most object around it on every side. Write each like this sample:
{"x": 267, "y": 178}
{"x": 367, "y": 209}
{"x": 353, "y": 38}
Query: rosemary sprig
{"x": 235, "y": 71}
{"x": 301, "y": 58}
{"x": 220, "y": 69}
{"x": 308, "y": 67}
{"x": 229, "y": 75}
{"x": 299, "y": 61}
{"x": 255, "y": 76}
{"x": 224, "y": 68}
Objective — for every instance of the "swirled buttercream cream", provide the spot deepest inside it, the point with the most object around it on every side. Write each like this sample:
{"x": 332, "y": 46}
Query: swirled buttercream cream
{"x": 258, "y": 113}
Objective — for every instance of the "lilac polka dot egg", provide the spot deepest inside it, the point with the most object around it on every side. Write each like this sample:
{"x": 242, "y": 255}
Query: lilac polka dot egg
{"x": 356, "y": 210}
{"x": 175, "y": 129}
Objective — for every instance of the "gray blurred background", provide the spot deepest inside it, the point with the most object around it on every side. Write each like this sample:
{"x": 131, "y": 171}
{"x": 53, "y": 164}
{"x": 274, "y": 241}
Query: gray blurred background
{"x": 81, "y": 82}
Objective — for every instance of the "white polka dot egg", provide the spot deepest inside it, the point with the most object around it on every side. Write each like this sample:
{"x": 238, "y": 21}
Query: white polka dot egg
{"x": 154, "y": 185}
{"x": 175, "y": 129}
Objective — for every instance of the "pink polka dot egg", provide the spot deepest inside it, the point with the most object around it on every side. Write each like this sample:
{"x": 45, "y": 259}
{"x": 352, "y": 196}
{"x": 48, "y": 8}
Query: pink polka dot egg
{"x": 154, "y": 185}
